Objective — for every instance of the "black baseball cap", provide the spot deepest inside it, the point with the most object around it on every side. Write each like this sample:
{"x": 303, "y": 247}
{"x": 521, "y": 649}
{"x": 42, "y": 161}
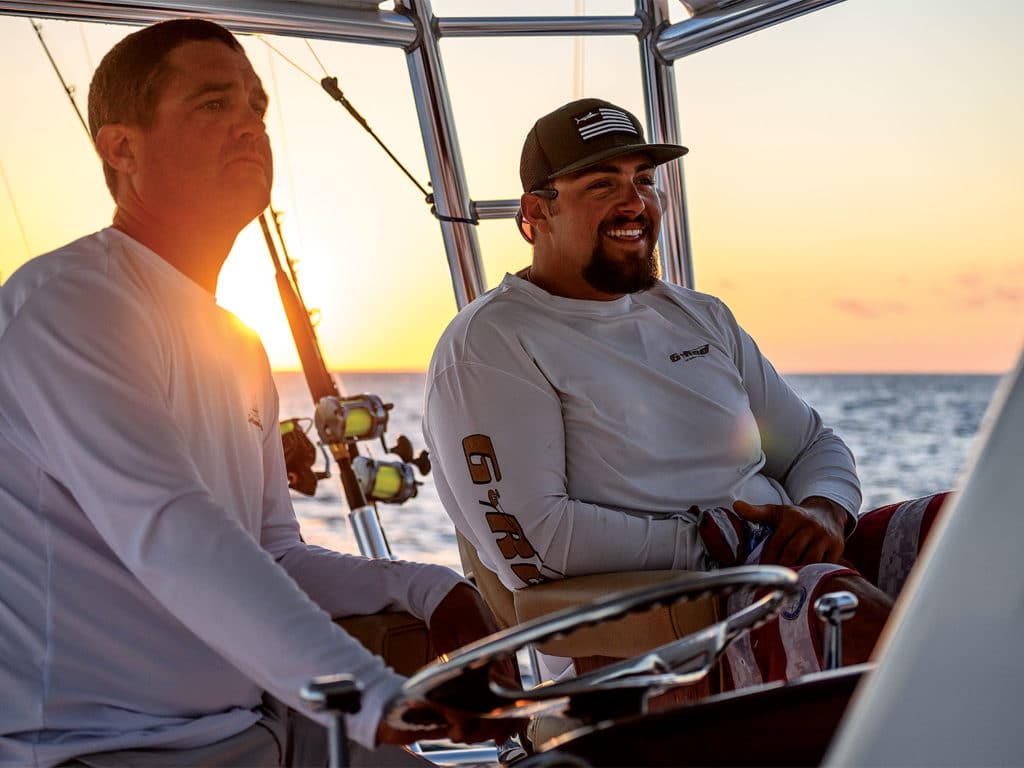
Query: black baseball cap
{"x": 583, "y": 133}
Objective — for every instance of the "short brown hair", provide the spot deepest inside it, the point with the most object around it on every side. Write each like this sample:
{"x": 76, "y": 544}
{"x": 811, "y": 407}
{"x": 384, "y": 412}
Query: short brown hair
{"x": 126, "y": 86}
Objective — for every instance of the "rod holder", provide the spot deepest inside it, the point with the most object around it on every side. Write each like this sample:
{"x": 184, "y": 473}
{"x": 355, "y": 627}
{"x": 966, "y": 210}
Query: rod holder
{"x": 369, "y": 533}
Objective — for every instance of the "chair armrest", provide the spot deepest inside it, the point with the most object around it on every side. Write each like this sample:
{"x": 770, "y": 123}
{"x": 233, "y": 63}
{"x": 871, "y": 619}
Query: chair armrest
{"x": 400, "y": 638}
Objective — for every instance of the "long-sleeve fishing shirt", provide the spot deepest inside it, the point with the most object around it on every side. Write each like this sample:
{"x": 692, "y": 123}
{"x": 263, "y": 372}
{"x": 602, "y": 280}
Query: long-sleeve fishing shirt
{"x": 573, "y": 437}
{"x": 152, "y": 577}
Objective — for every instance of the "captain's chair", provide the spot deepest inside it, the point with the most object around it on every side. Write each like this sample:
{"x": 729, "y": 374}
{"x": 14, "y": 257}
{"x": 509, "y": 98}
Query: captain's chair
{"x": 594, "y": 647}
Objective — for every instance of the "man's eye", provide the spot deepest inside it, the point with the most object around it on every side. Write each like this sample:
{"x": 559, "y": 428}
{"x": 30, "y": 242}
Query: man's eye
{"x": 599, "y": 184}
{"x": 213, "y": 106}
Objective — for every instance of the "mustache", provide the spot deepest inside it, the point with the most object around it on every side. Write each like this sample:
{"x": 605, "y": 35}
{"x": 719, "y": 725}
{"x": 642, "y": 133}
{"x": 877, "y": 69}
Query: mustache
{"x": 620, "y": 221}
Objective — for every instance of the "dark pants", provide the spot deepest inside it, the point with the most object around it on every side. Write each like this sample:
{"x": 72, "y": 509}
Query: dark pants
{"x": 280, "y": 738}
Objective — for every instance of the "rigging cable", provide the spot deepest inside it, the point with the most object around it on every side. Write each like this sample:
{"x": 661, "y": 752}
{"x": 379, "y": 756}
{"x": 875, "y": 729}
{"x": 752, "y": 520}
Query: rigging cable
{"x": 330, "y": 85}
{"x": 311, "y": 50}
{"x": 68, "y": 89}
{"x": 17, "y": 214}
{"x": 85, "y": 47}
{"x": 579, "y": 55}
{"x": 283, "y": 139}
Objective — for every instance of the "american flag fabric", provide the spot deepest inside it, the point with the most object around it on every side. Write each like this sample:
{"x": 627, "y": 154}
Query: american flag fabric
{"x": 602, "y": 120}
{"x": 887, "y": 541}
{"x": 882, "y": 549}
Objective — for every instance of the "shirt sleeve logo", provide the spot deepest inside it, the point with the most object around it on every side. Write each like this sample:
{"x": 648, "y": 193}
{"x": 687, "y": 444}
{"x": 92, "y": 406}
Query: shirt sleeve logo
{"x": 508, "y": 533}
{"x": 480, "y": 459}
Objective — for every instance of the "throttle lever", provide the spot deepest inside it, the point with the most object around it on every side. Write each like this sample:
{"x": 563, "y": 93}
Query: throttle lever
{"x": 833, "y": 609}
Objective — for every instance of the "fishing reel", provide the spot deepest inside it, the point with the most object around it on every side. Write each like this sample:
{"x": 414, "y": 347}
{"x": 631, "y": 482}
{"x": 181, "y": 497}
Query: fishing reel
{"x": 365, "y": 417}
{"x": 391, "y": 482}
{"x": 348, "y": 419}
{"x": 299, "y": 457}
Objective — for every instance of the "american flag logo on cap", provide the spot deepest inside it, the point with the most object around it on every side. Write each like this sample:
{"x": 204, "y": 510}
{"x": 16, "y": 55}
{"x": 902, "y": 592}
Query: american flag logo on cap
{"x": 602, "y": 120}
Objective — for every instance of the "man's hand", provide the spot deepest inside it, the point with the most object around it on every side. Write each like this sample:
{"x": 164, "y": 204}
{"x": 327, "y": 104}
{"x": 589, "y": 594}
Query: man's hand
{"x": 463, "y": 617}
{"x": 440, "y": 723}
{"x": 812, "y": 532}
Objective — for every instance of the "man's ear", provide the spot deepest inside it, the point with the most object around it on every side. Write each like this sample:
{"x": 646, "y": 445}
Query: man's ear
{"x": 535, "y": 211}
{"x": 115, "y": 145}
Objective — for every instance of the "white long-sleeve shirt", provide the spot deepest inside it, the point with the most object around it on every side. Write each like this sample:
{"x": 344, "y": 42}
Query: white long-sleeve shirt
{"x": 152, "y": 578}
{"x": 573, "y": 437}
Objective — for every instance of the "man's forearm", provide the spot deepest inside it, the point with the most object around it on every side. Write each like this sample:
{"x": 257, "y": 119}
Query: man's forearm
{"x": 830, "y": 511}
{"x": 350, "y": 585}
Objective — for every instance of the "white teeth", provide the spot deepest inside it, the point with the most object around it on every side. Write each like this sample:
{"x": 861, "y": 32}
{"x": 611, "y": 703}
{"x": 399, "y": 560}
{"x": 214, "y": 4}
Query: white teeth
{"x": 624, "y": 232}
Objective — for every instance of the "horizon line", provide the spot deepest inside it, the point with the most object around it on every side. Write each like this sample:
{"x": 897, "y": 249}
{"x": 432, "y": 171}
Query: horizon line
{"x": 396, "y": 371}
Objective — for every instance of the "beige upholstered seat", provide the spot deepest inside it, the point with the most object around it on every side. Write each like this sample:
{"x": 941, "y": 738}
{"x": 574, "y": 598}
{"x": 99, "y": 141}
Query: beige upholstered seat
{"x": 620, "y": 639}
{"x": 400, "y": 638}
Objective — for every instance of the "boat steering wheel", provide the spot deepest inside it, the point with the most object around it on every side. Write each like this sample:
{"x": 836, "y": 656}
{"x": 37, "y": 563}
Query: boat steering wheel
{"x": 462, "y": 681}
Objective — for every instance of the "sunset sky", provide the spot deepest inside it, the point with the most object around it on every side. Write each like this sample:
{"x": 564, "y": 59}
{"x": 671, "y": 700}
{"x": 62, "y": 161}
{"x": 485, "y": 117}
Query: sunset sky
{"x": 855, "y": 178}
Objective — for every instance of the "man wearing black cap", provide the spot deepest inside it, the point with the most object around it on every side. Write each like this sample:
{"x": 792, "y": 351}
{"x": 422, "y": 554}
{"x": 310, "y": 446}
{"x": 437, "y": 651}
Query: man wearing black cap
{"x": 586, "y": 417}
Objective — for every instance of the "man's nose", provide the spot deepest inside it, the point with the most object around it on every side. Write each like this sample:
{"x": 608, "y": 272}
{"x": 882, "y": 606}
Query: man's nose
{"x": 249, "y": 122}
{"x": 631, "y": 199}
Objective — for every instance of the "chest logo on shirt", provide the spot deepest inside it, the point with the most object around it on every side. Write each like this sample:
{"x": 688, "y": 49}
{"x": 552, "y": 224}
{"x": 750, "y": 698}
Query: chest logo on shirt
{"x": 689, "y": 354}
{"x": 253, "y": 417}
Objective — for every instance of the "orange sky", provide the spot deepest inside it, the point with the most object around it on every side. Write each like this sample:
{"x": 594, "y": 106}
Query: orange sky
{"x": 855, "y": 192}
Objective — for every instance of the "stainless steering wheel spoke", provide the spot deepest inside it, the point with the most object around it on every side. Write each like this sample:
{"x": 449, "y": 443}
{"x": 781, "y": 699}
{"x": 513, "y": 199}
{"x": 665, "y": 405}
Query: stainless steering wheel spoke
{"x": 463, "y": 681}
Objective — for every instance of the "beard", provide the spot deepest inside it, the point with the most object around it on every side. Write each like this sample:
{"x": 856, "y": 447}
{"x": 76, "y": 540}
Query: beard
{"x": 617, "y": 275}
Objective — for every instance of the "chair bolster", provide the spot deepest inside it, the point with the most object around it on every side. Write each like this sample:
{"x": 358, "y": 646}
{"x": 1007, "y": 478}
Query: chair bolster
{"x": 400, "y": 638}
{"x": 495, "y": 594}
{"x": 623, "y": 638}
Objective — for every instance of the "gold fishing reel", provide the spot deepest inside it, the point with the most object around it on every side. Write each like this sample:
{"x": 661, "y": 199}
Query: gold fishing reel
{"x": 348, "y": 419}
{"x": 341, "y": 421}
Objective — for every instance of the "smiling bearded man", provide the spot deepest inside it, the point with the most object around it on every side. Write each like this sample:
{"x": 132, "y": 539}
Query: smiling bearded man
{"x": 586, "y": 417}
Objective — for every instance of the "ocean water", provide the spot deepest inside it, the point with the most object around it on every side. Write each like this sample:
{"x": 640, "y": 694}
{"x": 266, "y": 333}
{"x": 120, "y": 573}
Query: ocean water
{"x": 911, "y": 435}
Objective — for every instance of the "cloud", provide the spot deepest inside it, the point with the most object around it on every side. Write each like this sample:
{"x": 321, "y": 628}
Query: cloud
{"x": 969, "y": 280}
{"x": 1000, "y": 288}
{"x": 869, "y": 309}
{"x": 1010, "y": 295}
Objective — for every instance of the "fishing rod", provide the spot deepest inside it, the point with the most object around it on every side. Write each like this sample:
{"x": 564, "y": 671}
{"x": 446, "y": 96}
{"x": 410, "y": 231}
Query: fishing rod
{"x": 68, "y": 89}
{"x": 341, "y": 422}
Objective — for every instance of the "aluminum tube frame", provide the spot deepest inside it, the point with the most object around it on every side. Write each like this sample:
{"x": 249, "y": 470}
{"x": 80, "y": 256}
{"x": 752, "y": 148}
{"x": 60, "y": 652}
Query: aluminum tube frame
{"x": 659, "y": 84}
{"x": 325, "y": 22}
{"x": 444, "y": 161}
{"x": 539, "y": 26}
{"x": 720, "y": 25}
